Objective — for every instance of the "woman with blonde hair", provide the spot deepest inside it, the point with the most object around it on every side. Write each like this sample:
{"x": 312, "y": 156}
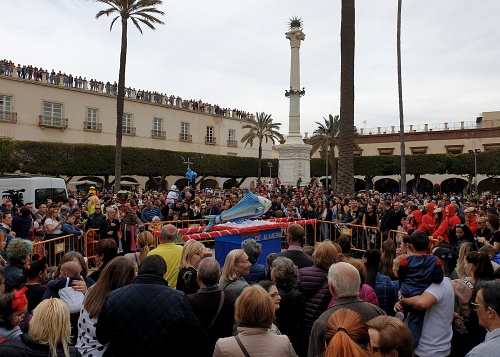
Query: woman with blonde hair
{"x": 254, "y": 313}
{"x": 459, "y": 272}
{"x": 388, "y": 255}
{"x": 53, "y": 228}
{"x": 235, "y": 268}
{"x": 48, "y": 335}
{"x": 346, "y": 335}
{"x": 110, "y": 227}
{"x": 145, "y": 240}
{"x": 193, "y": 252}
{"x": 390, "y": 337}
{"x": 477, "y": 267}
{"x": 118, "y": 272}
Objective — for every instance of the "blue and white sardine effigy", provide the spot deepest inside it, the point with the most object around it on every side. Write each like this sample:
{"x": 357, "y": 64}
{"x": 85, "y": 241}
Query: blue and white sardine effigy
{"x": 250, "y": 206}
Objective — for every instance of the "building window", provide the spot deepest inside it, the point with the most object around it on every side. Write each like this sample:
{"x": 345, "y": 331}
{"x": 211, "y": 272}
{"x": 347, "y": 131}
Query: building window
{"x": 418, "y": 150}
{"x": 209, "y": 138}
{"x": 52, "y": 114}
{"x": 357, "y": 152}
{"x": 5, "y": 109}
{"x": 91, "y": 122}
{"x": 185, "y": 128}
{"x": 157, "y": 131}
{"x": 491, "y": 146}
{"x": 454, "y": 149}
{"x": 231, "y": 141}
{"x": 184, "y": 135}
{"x": 5, "y": 103}
{"x": 385, "y": 151}
{"x": 127, "y": 128}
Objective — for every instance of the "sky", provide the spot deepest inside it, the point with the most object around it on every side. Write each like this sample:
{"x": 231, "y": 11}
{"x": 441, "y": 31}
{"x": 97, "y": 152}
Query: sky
{"x": 234, "y": 53}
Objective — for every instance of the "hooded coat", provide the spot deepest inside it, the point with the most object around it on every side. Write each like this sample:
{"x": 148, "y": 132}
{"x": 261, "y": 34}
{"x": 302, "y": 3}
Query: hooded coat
{"x": 416, "y": 220}
{"x": 428, "y": 221}
{"x": 453, "y": 219}
{"x": 443, "y": 229}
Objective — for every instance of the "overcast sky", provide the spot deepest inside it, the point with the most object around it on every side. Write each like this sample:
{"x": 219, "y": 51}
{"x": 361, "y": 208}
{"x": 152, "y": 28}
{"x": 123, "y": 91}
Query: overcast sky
{"x": 234, "y": 53}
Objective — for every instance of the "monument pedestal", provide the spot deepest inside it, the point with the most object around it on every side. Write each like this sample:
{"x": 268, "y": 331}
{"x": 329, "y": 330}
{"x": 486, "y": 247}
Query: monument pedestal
{"x": 295, "y": 162}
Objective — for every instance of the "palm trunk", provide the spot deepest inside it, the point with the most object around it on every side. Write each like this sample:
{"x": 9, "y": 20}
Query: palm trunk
{"x": 333, "y": 165}
{"x": 259, "y": 169}
{"x": 401, "y": 117}
{"x": 120, "y": 103}
{"x": 346, "y": 142}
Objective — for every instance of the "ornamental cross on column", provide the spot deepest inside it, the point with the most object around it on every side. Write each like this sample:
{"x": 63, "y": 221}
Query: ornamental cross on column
{"x": 296, "y": 36}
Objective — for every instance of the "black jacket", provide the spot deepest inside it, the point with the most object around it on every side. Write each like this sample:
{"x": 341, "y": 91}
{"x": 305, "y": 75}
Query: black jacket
{"x": 298, "y": 257}
{"x": 399, "y": 215}
{"x": 387, "y": 220}
{"x": 205, "y": 304}
{"x": 22, "y": 226}
{"x": 147, "y": 318}
{"x": 27, "y": 347}
{"x": 95, "y": 221}
{"x": 290, "y": 315}
{"x": 106, "y": 226}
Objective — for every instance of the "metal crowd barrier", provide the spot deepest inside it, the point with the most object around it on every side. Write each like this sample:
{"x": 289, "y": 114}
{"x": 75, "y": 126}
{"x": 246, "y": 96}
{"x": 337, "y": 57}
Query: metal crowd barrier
{"x": 55, "y": 248}
{"x": 361, "y": 239}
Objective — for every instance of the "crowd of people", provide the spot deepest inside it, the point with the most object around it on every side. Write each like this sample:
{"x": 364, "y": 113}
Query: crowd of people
{"x": 29, "y": 72}
{"x": 431, "y": 290}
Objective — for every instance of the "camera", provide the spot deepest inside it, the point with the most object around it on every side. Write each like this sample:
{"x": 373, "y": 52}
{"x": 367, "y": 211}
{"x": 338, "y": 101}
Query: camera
{"x": 15, "y": 196}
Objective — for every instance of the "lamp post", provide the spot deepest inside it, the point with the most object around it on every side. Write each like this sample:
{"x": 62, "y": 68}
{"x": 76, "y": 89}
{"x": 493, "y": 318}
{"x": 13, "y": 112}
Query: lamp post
{"x": 475, "y": 152}
{"x": 326, "y": 169}
{"x": 270, "y": 165}
{"x": 189, "y": 161}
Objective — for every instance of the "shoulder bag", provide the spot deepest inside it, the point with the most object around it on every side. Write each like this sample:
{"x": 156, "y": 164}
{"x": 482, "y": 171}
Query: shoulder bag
{"x": 243, "y": 349}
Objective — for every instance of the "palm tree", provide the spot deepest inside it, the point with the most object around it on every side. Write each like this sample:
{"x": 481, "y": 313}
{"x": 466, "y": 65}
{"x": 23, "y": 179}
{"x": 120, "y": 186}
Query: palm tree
{"x": 326, "y": 138}
{"x": 401, "y": 117}
{"x": 137, "y": 11}
{"x": 346, "y": 142}
{"x": 261, "y": 128}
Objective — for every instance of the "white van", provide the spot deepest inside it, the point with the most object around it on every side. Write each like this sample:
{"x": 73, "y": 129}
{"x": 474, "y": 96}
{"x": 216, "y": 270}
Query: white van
{"x": 37, "y": 189}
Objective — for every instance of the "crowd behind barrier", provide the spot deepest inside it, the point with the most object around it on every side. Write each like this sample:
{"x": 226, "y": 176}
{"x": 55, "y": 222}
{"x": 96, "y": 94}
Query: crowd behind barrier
{"x": 317, "y": 272}
{"x": 29, "y": 72}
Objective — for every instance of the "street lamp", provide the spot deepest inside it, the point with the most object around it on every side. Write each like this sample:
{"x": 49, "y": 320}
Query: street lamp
{"x": 326, "y": 169}
{"x": 189, "y": 161}
{"x": 475, "y": 152}
{"x": 270, "y": 165}
{"x": 327, "y": 135}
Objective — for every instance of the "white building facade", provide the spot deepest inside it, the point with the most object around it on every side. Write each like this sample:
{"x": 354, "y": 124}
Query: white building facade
{"x": 40, "y": 111}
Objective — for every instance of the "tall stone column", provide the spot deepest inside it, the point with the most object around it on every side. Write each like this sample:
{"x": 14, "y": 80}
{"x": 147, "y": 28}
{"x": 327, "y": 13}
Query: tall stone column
{"x": 294, "y": 155}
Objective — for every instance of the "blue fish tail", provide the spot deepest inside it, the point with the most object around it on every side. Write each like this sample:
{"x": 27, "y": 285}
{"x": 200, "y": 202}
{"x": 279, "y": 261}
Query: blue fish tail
{"x": 211, "y": 222}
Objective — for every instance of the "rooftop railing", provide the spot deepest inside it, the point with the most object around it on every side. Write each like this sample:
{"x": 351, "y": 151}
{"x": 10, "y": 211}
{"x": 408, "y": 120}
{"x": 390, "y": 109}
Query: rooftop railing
{"x": 30, "y": 73}
{"x": 394, "y": 129}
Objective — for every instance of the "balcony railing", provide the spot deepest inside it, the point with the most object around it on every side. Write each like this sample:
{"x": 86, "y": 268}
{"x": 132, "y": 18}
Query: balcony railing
{"x": 186, "y": 138}
{"x": 89, "y": 126}
{"x": 158, "y": 134}
{"x": 394, "y": 129}
{"x": 52, "y": 122}
{"x": 128, "y": 131}
{"x": 9, "y": 117}
{"x": 232, "y": 143}
{"x": 210, "y": 140}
